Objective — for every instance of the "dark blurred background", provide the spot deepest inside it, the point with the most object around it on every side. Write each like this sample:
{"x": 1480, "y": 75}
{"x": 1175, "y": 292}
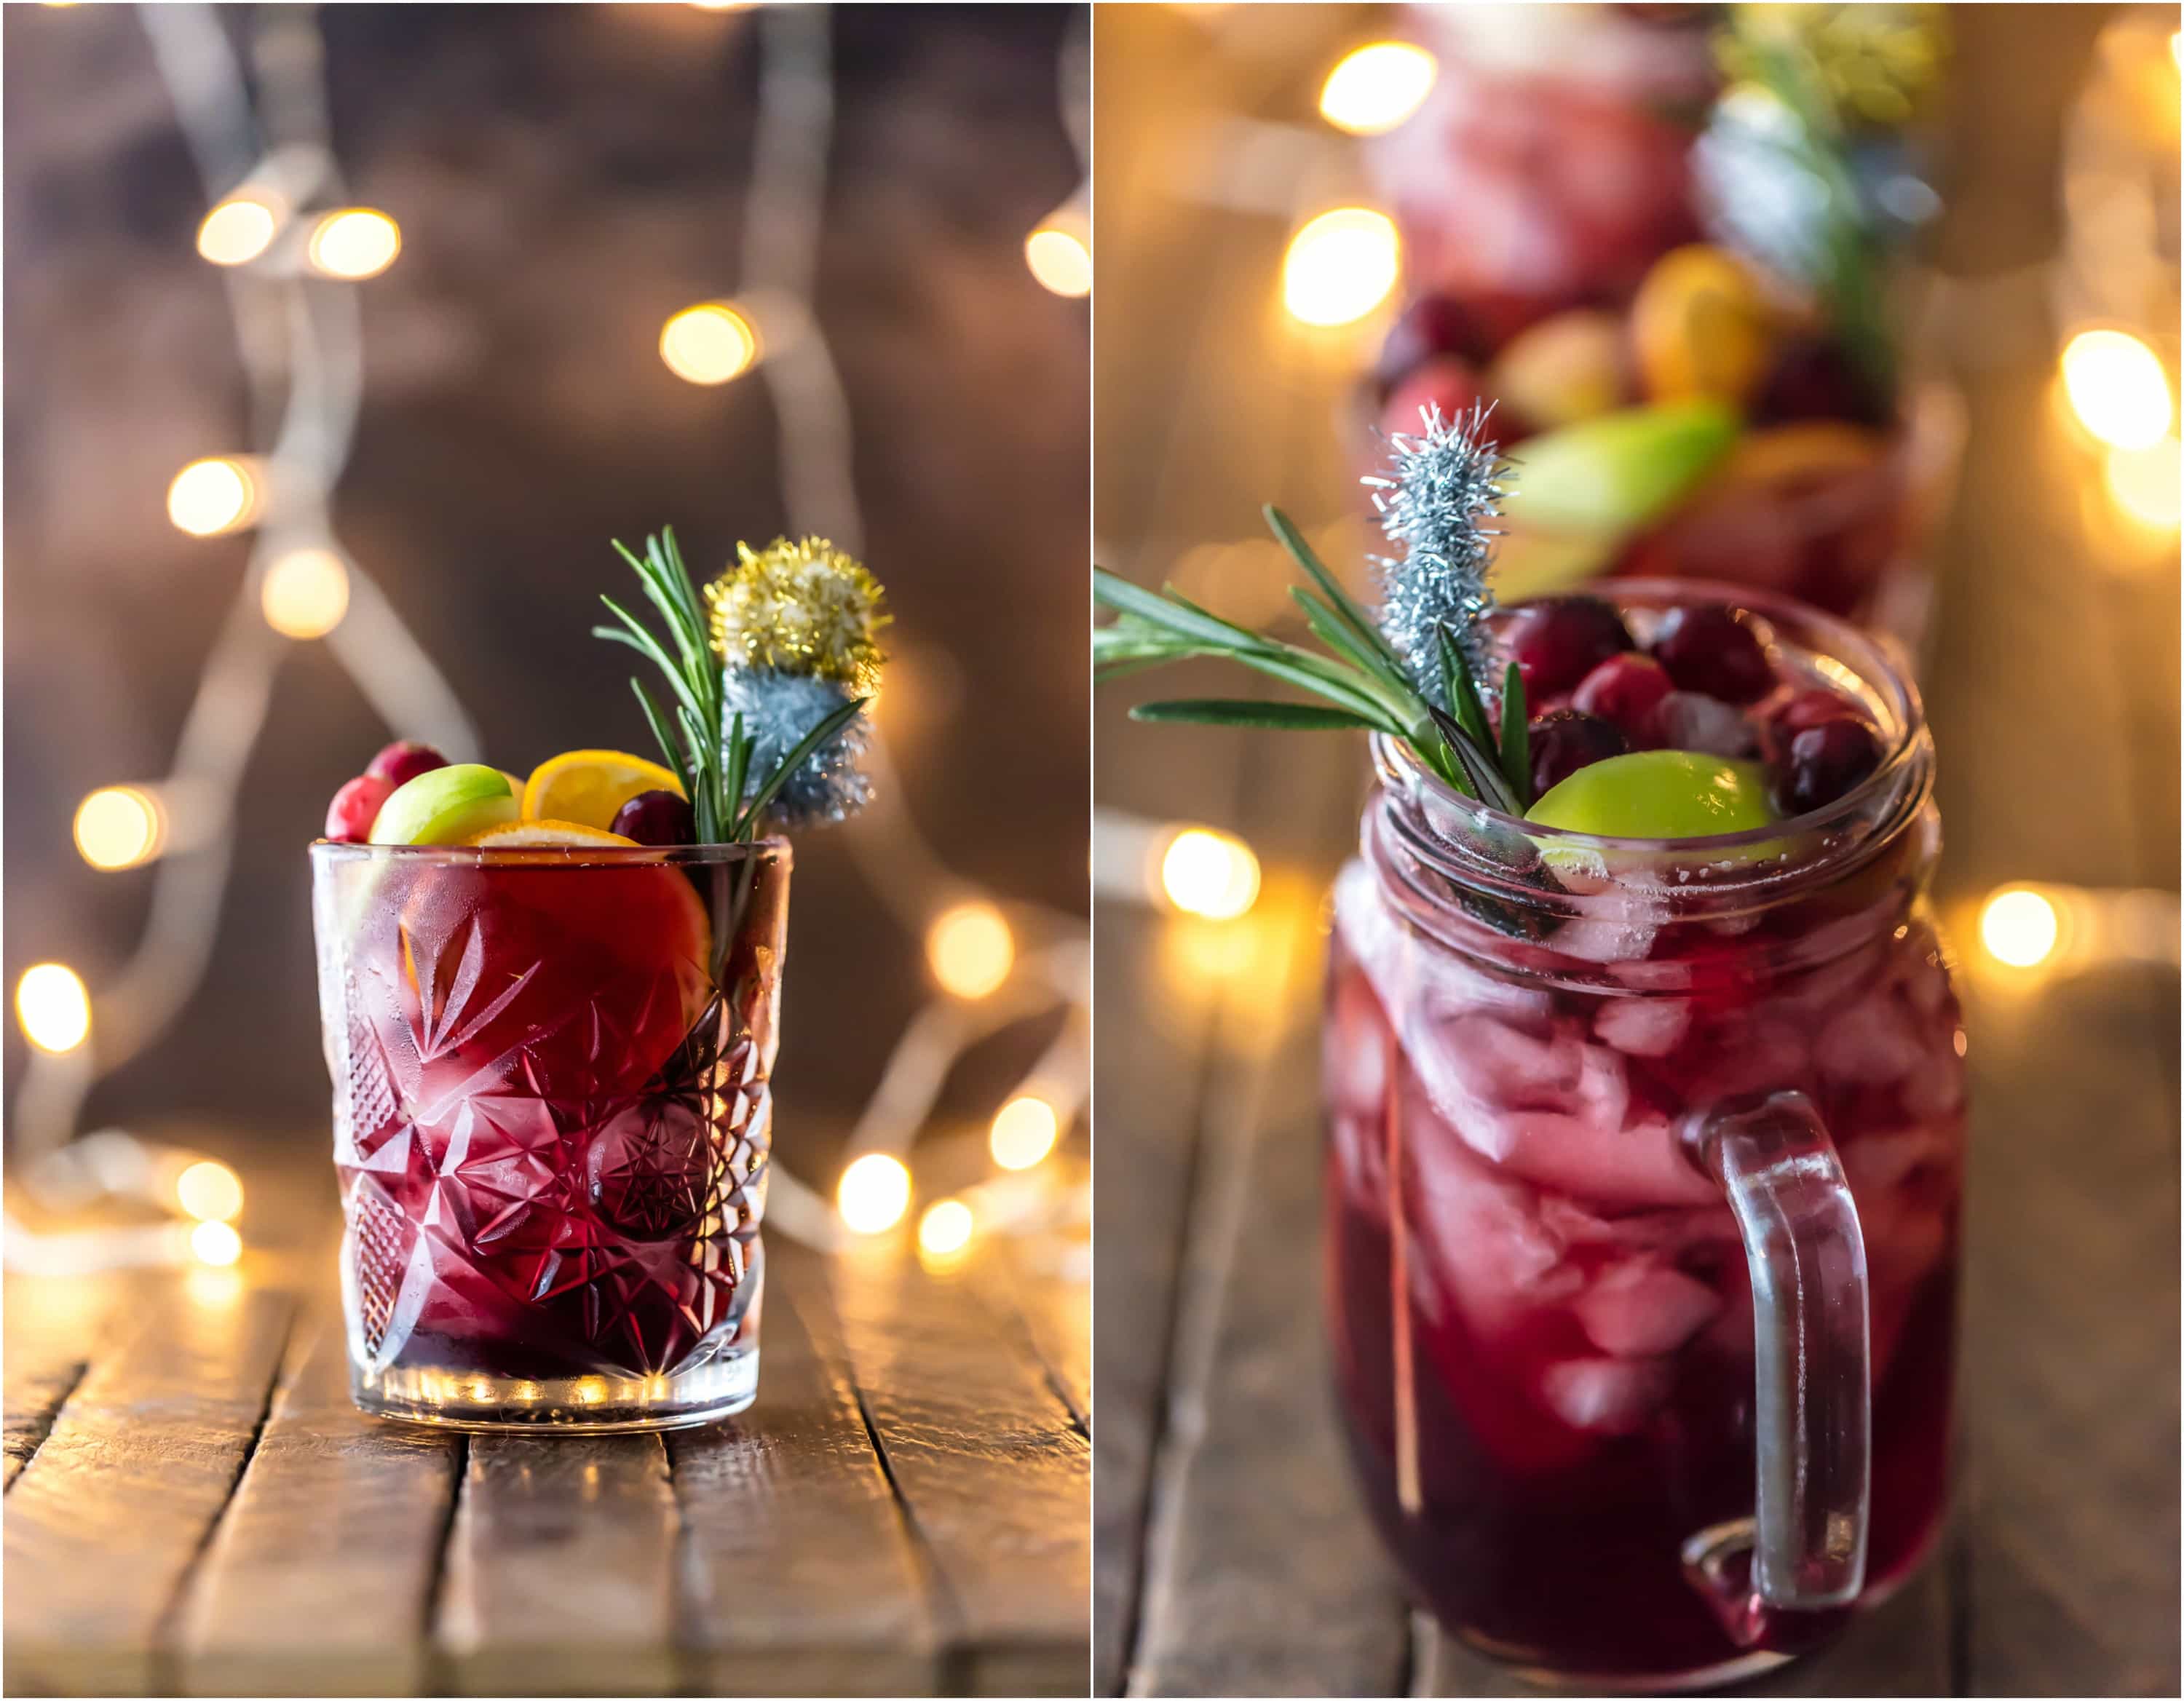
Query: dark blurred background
{"x": 565, "y": 178}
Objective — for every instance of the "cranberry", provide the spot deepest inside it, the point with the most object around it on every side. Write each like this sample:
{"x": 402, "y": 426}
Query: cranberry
{"x": 355, "y": 807}
{"x": 1556, "y": 642}
{"x": 1625, "y": 690}
{"x": 1813, "y": 379}
{"x": 657, "y": 818}
{"x": 1566, "y": 741}
{"x": 1824, "y": 763}
{"x": 1686, "y": 720}
{"x": 1709, "y": 648}
{"x": 403, "y": 761}
{"x": 1431, "y": 326}
{"x": 1816, "y": 706}
{"x": 1449, "y": 384}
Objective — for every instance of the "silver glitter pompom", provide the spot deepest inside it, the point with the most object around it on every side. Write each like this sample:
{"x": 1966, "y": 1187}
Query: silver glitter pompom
{"x": 778, "y": 710}
{"x": 1442, "y": 484}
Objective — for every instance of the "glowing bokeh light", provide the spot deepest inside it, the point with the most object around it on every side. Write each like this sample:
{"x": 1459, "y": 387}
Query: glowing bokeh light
{"x": 52, "y": 1007}
{"x": 215, "y": 1243}
{"x": 2117, "y": 388}
{"x": 210, "y": 1192}
{"x": 1059, "y": 259}
{"x": 2145, "y": 482}
{"x": 2019, "y": 927}
{"x": 971, "y": 948}
{"x": 212, "y": 496}
{"x": 1341, "y": 266}
{"x": 709, "y": 343}
{"x": 945, "y": 1228}
{"x": 873, "y": 1194}
{"x": 1024, "y": 1131}
{"x": 356, "y": 243}
{"x": 236, "y": 232}
{"x": 1377, "y": 87}
{"x": 1210, "y": 874}
{"x": 304, "y": 593}
{"x": 120, "y": 827}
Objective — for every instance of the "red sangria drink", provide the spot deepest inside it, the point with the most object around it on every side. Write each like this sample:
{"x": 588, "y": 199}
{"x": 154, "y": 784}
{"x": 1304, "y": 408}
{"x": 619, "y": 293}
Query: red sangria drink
{"x": 552, "y": 1122}
{"x": 551, "y": 1005}
{"x": 1644, "y": 1118}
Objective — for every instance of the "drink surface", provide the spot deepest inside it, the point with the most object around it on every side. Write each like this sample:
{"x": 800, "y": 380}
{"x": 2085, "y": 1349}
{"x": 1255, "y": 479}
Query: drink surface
{"x": 1542, "y": 1312}
{"x": 551, "y": 1107}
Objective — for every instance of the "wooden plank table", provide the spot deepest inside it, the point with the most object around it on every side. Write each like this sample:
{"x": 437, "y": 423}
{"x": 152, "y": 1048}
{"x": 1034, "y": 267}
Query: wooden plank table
{"x": 195, "y": 1507}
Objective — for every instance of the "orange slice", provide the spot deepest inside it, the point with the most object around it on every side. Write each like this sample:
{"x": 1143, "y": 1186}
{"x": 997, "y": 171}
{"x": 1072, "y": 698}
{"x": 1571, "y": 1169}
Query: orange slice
{"x": 1699, "y": 326}
{"x": 539, "y": 835}
{"x": 588, "y": 786}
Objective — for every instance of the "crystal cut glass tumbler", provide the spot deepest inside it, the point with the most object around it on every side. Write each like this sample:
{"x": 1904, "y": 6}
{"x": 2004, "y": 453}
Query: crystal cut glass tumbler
{"x": 551, "y": 1125}
{"x": 1643, "y": 1167}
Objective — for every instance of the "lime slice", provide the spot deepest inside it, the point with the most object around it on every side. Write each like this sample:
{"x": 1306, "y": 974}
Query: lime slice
{"x": 1659, "y": 794}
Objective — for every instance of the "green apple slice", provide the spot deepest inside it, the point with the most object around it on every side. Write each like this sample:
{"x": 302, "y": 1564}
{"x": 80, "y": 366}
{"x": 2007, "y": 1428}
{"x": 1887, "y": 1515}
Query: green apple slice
{"x": 1659, "y": 794}
{"x": 445, "y": 806}
{"x": 1618, "y": 473}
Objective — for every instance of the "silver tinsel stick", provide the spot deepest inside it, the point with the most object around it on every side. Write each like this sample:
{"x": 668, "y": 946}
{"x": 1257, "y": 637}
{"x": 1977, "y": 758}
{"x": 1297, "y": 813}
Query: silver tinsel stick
{"x": 1442, "y": 484}
{"x": 779, "y": 709}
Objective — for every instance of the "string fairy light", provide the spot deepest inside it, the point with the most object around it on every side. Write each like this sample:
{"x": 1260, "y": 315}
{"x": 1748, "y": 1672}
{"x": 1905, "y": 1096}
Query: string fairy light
{"x": 992, "y": 969}
{"x": 259, "y": 144}
{"x": 1377, "y": 86}
{"x": 303, "y": 586}
{"x": 1058, "y": 249}
{"x": 1340, "y": 266}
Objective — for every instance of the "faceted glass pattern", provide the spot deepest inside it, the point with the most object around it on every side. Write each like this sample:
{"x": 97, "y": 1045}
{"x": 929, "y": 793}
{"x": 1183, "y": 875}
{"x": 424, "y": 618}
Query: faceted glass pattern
{"x": 551, "y": 1125}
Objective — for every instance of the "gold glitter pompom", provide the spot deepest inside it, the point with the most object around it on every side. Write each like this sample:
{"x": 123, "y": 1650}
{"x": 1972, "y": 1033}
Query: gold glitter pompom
{"x": 802, "y": 608}
{"x": 1881, "y": 64}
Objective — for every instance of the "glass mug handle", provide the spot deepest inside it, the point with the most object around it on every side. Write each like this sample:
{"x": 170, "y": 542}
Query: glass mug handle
{"x": 1813, "y": 1416}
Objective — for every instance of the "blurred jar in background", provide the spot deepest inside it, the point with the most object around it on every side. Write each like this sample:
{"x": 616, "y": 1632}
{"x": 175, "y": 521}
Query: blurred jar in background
{"x": 1660, "y": 243}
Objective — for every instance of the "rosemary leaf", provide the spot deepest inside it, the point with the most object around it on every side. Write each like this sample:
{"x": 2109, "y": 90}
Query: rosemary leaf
{"x": 1222, "y": 711}
{"x": 1516, "y": 737}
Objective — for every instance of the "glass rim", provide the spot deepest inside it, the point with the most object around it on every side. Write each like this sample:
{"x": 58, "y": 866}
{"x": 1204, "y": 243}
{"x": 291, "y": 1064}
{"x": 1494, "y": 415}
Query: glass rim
{"x": 773, "y": 848}
{"x": 1874, "y": 659}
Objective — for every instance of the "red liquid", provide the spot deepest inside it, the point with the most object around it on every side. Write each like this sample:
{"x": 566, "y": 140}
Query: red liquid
{"x": 552, "y": 1118}
{"x": 1563, "y": 1396}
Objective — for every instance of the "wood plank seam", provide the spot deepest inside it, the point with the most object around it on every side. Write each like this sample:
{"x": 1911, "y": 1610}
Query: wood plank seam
{"x": 1010, "y": 1316}
{"x": 166, "y": 1665}
{"x": 50, "y": 1413}
{"x": 1956, "y": 1556}
{"x": 1149, "y": 1509}
{"x": 439, "y": 1667}
{"x": 1079, "y": 1421}
{"x": 693, "y": 1592}
{"x": 954, "y": 1658}
{"x": 1417, "y": 1673}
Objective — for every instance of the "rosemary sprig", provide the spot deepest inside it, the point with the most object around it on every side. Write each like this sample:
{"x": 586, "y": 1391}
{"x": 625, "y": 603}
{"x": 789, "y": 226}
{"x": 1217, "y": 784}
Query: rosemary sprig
{"x": 1361, "y": 682}
{"x": 710, "y": 751}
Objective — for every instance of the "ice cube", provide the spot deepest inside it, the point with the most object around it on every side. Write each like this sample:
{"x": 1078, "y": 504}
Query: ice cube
{"x": 1686, "y": 720}
{"x": 1604, "y": 1396}
{"x": 1638, "y": 1310}
{"x": 1359, "y": 1154}
{"x": 1476, "y": 1234}
{"x": 1354, "y": 1049}
{"x": 1420, "y": 980}
{"x": 1642, "y": 1026}
{"x": 1867, "y": 1043}
{"x": 1592, "y": 939}
{"x": 1761, "y": 1054}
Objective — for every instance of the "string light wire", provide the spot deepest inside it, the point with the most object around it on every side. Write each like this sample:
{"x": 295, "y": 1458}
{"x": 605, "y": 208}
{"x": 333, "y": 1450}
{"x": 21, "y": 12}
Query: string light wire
{"x": 299, "y": 334}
